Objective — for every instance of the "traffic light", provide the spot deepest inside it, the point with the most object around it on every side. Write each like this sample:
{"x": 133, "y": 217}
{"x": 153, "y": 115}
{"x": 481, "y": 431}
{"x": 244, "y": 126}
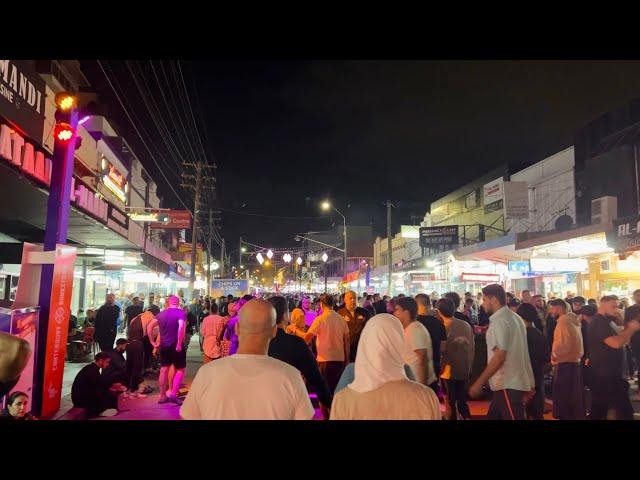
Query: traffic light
{"x": 66, "y": 104}
{"x": 63, "y": 132}
{"x": 65, "y": 101}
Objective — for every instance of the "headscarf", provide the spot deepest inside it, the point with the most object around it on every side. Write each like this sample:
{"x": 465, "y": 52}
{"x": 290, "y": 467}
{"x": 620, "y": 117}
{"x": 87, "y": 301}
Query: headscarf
{"x": 380, "y": 357}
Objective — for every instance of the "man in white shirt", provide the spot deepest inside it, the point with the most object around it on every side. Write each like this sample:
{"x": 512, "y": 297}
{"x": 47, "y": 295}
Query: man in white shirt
{"x": 509, "y": 368}
{"x": 332, "y": 342}
{"x": 249, "y": 385}
{"x": 419, "y": 354}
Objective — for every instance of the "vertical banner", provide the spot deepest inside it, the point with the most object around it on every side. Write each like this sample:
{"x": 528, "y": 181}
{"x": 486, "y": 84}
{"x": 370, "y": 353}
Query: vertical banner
{"x": 59, "y": 310}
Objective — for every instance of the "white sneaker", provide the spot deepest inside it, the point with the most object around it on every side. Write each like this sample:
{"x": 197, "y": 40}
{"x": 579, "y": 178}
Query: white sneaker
{"x": 109, "y": 412}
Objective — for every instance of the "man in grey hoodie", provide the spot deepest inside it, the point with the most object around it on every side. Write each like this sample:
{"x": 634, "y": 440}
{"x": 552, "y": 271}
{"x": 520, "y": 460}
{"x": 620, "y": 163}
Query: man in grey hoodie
{"x": 566, "y": 354}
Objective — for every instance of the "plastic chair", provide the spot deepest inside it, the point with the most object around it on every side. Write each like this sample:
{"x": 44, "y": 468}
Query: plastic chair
{"x": 89, "y": 339}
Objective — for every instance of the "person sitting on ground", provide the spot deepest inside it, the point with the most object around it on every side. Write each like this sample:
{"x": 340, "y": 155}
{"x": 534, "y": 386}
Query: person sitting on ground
{"x": 292, "y": 350}
{"x": 381, "y": 389}
{"x": 92, "y": 391}
{"x": 249, "y": 385}
{"x": 116, "y": 372}
{"x": 17, "y": 407}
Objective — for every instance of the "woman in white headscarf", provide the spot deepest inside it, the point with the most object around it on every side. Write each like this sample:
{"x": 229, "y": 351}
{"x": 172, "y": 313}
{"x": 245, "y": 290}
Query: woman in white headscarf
{"x": 381, "y": 389}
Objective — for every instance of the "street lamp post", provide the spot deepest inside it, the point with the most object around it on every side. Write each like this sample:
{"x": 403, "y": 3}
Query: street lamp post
{"x": 327, "y": 206}
{"x": 325, "y": 257}
{"x": 299, "y": 262}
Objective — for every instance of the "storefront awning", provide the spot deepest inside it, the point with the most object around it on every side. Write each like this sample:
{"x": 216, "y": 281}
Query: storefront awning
{"x": 499, "y": 250}
{"x": 23, "y": 213}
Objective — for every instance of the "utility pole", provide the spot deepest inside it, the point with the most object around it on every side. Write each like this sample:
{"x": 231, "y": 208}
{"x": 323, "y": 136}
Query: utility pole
{"x": 389, "y": 257}
{"x": 198, "y": 186}
{"x": 209, "y": 253}
{"x": 222, "y": 260}
{"x": 239, "y": 253}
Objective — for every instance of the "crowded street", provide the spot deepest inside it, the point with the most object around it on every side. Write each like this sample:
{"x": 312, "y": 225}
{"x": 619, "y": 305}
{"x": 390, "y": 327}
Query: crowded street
{"x": 198, "y": 240}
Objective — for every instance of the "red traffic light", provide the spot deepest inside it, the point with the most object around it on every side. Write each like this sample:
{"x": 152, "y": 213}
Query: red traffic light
{"x": 63, "y": 132}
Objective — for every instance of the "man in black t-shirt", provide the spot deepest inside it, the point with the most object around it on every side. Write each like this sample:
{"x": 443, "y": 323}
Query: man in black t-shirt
{"x": 438, "y": 334}
{"x": 106, "y": 323}
{"x": 356, "y": 318}
{"x": 455, "y": 298}
{"x": 632, "y": 312}
{"x": 133, "y": 310}
{"x": 609, "y": 389}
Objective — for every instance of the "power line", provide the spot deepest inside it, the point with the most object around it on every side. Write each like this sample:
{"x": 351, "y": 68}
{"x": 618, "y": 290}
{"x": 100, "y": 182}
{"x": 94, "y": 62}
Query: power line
{"x": 140, "y": 135}
{"x": 157, "y": 119}
{"x": 269, "y": 216}
{"x": 138, "y": 122}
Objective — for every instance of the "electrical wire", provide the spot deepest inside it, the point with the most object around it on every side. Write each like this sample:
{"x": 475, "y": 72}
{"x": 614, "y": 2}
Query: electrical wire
{"x": 138, "y": 122}
{"x": 140, "y": 135}
{"x": 156, "y": 116}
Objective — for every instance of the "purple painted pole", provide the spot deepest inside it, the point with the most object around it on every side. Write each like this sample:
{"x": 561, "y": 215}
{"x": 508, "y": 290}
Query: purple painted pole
{"x": 58, "y": 207}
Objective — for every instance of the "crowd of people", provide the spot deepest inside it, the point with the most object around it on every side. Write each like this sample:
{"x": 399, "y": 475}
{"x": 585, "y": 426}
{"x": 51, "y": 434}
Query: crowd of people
{"x": 371, "y": 357}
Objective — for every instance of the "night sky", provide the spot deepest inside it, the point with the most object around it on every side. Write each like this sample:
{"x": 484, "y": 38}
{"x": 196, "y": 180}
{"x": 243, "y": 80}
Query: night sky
{"x": 287, "y": 134}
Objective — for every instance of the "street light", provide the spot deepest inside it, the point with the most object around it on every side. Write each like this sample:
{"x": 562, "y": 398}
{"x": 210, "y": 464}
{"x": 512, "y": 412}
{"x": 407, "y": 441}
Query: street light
{"x": 260, "y": 258}
{"x": 269, "y": 254}
{"x": 299, "y": 262}
{"x": 325, "y": 257}
{"x": 326, "y": 206}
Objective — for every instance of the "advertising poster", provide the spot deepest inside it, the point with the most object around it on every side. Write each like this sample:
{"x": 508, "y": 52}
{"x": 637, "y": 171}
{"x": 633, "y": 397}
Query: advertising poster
{"x": 59, "y": 310}
{"x": 236, "y": 288}
{"x": 493, "y": 195}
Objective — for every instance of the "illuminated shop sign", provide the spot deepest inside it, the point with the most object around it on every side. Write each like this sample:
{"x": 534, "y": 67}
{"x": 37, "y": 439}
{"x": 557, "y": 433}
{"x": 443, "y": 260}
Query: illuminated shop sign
{"x": 559, "y": 265}
{"x": 22, "y": 96}
{"x": 480, "y": 277}
{"x": 24, "y": 156}
{"x": 114, "y": 181}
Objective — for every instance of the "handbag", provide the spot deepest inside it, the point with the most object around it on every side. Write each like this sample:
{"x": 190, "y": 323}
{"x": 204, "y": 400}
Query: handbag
{"x": 225, "y": 345}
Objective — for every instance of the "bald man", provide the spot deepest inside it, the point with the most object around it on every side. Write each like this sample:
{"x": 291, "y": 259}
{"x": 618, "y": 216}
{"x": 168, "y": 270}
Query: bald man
{"x": 356, "y": 318}
{"x": 249, "y": 385}
{"x": 171, "y": 323}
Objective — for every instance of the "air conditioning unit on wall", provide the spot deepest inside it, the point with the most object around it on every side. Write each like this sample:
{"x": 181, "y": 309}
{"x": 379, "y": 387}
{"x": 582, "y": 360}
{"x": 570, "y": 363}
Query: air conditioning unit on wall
{"x": 604, "y": 210}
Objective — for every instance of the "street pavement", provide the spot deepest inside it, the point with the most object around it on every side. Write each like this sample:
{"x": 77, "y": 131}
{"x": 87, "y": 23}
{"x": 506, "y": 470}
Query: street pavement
{"x": 149, "y": 409}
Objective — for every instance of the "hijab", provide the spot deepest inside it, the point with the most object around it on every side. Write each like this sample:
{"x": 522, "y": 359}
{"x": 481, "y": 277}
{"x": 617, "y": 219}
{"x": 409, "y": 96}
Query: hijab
{"x": 380, "y": 357}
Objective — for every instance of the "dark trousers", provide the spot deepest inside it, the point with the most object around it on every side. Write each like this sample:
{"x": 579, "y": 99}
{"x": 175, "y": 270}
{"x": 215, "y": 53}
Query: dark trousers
{"x": 135, "y": 364}
{"x": 609, "y": 393}
{"x": 106, "y": 341}
{"x": 96, "y": 404}
{"x": 568, "y": 389}
{"x": 331, "y": 371}
{"x": 457, "y": 398}
{"x": 506, "y": 405}
{"x": 148, "y": 352}
{"x": 535, "y": 407}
